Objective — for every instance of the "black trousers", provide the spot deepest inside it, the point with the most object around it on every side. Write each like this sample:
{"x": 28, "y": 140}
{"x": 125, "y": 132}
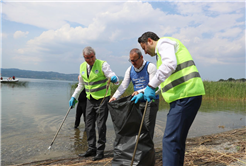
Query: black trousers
{"x": 150, "y": 115}
{"x": 81, "y": 108}
{"x": 96, "y": 115}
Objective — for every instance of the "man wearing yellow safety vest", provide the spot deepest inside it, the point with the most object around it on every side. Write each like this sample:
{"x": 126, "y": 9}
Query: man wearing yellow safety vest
{"x": 181, "y": 87}
{"x": 94, "y": 74}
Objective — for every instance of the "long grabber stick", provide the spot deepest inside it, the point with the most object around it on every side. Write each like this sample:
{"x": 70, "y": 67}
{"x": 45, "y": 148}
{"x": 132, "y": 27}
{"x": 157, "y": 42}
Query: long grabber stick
{"x": 107, "y": 87}
{"x": 59, "y": 128}
{"x": 139, "y": 132}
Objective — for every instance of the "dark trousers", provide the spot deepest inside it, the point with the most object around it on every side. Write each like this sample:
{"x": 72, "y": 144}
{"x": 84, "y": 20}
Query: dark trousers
{"x": 150, "y": 115}
{"x": 179, "y": 119}
{"x": 81, "y": 107}
{"x": 96, "y": 116}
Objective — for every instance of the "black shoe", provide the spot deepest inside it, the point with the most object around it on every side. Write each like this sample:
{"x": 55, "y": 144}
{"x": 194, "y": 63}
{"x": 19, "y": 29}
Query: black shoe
{"x": 88, "y": 153}
{"x": 98, "y": 157}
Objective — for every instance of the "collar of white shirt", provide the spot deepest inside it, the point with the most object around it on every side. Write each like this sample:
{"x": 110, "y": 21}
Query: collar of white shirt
{"x": 137, "y": 70}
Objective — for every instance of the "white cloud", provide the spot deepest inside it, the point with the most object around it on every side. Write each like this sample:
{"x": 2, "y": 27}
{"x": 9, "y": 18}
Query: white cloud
{"x": 110, "y": 25}
{"x": 3, "y": 35}
{"x": 226, "y": 7}
{"x": 213, "y": 7}
{"x": 53, "y": 15}
{"x": 19, "y": 34}
{"x": 233, "y": 32}
{"x": 190, "y": 8}
{"x": 211, "y": 31}
{"x": 24, "y": 58}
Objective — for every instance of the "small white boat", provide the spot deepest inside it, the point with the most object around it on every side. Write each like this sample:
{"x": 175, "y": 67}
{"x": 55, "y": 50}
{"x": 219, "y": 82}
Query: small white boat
{"x": 9, "y": 81}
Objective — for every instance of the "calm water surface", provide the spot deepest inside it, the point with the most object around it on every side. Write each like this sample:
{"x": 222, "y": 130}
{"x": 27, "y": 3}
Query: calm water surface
{"x": 32, "y": 114}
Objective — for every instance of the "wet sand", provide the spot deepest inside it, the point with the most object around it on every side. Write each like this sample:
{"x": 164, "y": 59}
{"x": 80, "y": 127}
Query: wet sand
{"x": 227, "y": 148}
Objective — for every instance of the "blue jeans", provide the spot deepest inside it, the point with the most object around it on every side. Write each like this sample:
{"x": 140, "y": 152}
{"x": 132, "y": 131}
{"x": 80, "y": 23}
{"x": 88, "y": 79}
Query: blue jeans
{"x": 179, "y": 119}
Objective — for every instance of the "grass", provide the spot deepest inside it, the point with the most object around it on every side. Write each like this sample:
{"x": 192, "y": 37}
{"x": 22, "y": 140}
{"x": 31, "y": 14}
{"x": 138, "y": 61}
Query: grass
{"x": 127, "y": 92}
{"x": 226, "y": 90}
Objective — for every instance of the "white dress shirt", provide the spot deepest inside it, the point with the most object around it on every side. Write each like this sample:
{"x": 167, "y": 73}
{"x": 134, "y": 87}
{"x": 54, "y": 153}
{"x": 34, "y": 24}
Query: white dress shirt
{"x": 127, "y": 79}
{"x": 107, "y": 72}
{"x": 167, "y": 49}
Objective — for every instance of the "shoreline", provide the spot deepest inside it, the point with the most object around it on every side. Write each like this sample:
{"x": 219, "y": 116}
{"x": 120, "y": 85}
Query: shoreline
{"x": 226, "y": 148}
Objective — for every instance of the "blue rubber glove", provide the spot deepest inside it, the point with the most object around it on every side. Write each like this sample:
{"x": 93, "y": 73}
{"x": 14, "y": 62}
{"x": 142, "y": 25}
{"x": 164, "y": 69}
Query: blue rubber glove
{"x": 137, "y": 97}
{"x": 114, "y": 79}
{"x": 149, "y": 93}
{"x": 72, "y": 101}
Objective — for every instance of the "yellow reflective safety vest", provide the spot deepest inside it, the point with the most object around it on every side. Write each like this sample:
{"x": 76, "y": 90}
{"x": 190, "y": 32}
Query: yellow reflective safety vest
{"x": 95, "y": 84}
{"x": 185, "y": 81}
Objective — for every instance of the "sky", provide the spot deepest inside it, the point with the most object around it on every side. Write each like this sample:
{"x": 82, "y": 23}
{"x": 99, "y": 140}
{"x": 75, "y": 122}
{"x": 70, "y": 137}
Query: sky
{"x": 50, "y": 35}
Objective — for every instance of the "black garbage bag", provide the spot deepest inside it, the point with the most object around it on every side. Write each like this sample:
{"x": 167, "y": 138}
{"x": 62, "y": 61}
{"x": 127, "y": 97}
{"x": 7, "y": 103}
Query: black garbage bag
{"x": 126, "y": 118}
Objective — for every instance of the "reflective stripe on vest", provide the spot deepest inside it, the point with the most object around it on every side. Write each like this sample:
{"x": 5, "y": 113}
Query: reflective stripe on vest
{"x": 97, "y": 89}
{"x": 184, "y": 65}
{"x": 185, "y": 81}
{"x": 180, "y": 81}
{"x": 95, "y": 84}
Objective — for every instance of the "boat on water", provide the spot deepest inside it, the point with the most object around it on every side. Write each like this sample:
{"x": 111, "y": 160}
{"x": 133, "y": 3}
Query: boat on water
{"x": 9, "y": 81}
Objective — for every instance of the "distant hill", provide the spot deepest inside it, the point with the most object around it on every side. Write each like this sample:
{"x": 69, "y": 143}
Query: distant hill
{"x": 39, "y": 74}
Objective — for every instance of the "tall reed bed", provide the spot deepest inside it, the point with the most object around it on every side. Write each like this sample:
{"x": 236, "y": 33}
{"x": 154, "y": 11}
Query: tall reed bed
{"x": 128, "y": 91}
{"x": 226, "y": 90}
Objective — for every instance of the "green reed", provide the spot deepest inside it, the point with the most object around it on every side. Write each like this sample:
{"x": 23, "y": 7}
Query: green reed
{"x": 73, "y": 86}
{"x": 226, "y": 90}
{"x": 127, "y": 92}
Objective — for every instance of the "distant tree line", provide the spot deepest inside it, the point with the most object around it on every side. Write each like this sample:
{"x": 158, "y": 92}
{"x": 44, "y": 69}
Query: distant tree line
{"x": 232, "y": 79}
{"x": 39, "y": 74}
{"x": 60, "y": 76}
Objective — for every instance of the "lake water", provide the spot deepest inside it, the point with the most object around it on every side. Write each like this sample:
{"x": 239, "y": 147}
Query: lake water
{"x": 31, "y": 114}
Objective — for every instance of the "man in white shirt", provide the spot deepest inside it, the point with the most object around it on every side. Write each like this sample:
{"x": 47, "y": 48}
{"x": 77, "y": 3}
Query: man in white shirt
{"x": 181, "y": 86}
{"x": 94, "y": 74}
{"x": 140, "y": 72}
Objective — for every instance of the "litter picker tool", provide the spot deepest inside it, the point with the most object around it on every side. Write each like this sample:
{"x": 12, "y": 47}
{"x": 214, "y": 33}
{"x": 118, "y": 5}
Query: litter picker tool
{"x": 59, "y": 128}
{"x": 140, "y": 128}
{"x": 107, "y": 87}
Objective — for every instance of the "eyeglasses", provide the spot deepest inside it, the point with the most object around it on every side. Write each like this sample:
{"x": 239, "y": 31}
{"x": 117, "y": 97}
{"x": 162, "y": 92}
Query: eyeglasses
{"x": 134, "y": 60}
